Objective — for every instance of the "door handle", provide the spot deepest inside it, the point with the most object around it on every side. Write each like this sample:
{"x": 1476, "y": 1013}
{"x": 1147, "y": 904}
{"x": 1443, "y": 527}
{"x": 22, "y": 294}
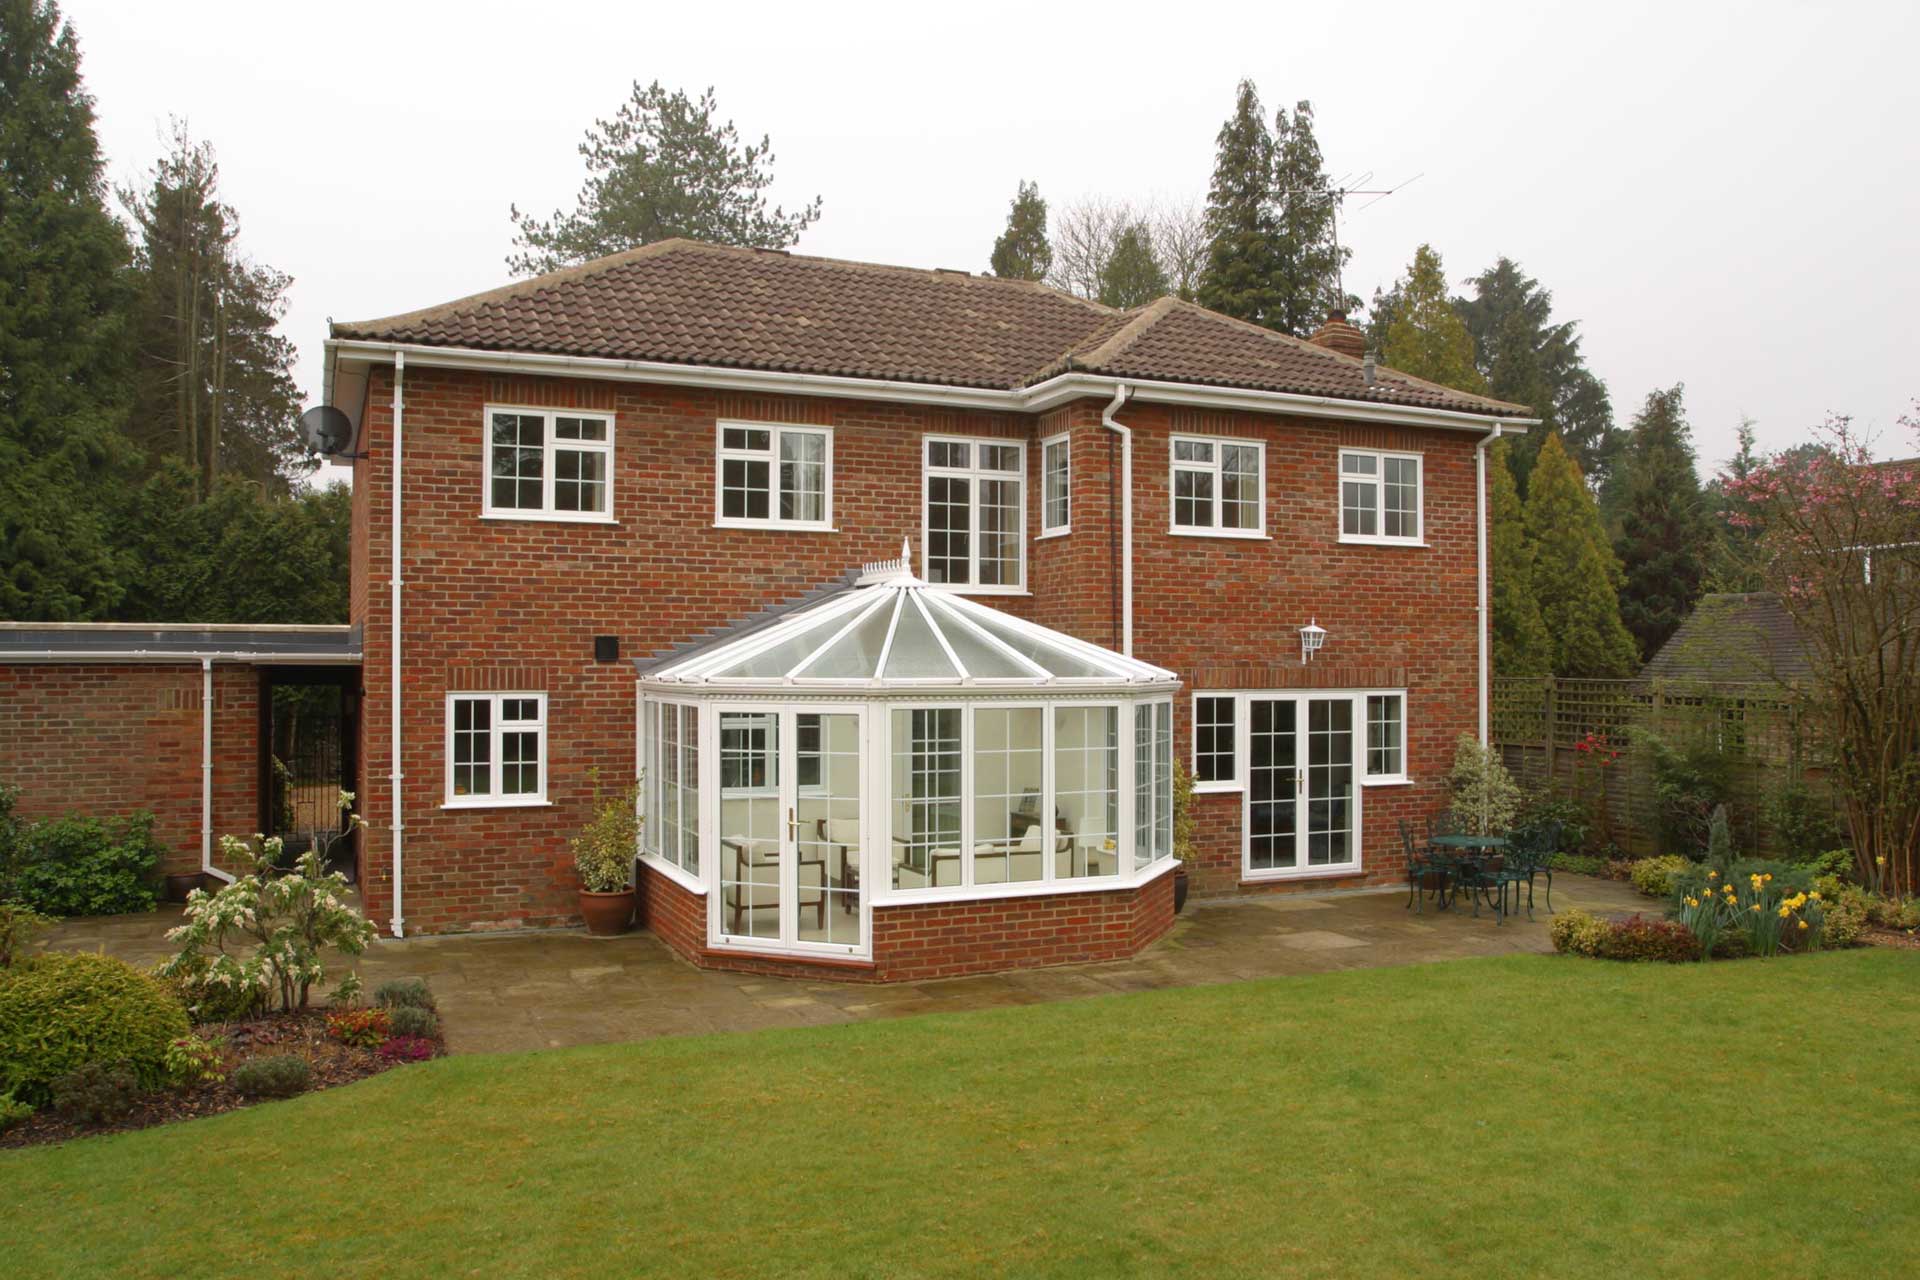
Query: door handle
{"x": 793, "y": 827}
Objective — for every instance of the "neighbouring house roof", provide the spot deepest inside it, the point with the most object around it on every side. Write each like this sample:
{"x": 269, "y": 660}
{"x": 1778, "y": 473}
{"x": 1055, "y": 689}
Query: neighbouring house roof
{"x": 159, "y": 642}
{"x": 685, "y": 302}
{"x": 1734, "y": 636}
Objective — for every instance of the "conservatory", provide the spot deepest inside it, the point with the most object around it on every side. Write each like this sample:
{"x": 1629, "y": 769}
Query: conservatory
{"x": 812, "y": 784}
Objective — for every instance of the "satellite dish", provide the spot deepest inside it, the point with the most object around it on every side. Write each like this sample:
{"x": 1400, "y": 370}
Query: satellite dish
{"x": 327, "y": 430}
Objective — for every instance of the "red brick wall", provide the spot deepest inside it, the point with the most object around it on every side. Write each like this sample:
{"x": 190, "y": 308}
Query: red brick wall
{"x": 106, "y": 740}
{"x": 941, "y": 940}
{"x": 515, "y": 604}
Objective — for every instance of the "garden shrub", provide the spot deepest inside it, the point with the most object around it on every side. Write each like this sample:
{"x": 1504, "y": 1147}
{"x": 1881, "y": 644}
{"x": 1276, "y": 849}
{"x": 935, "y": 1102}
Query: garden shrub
{"x": 19, "y": 925}
{"x": 279, "y": 1076}
{"x": 1834, "y": 863}
{"x": 12, "y": 1111}
{"x": 413, "y": 1020}
{"x": 603, "y": 852}
{"x": 96, "y": 1092}
{"x": 1893, "y": 913}
{"x": 1485, "y": 796}
{"x": 1846, "y": 918}
{"x": 1803, "y": 823}
{"x": 194, "y": 1060}
{"x": 64, "y": 1010}
{"x": 409, "y": 1049}
{"x": 1574, "y": 932}
{"x": 365, "y": 1028}
{"x": 77, "y": 866}
{"x": 210, "y": 995}
{"x": 1578, "y": 863}
{"x": 284, "y": 923}
{"x": 404, "y": 993}
{"x": 1635, "y": 938}
{"x": 1654, "y": 876}
{"x": 1690, "y": 781}
{"x": 1546, "y": 805}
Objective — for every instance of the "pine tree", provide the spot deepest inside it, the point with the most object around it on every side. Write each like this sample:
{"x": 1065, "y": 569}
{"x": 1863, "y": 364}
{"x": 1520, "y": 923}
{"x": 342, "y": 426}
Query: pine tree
{"x": 214, "y": 376}
{"x": 1242, "y": 273}
{"x": 62, "y": 330}
{"x": 1733, "y": 558}
{"x": 1529, "y": 359}
{"x": 1575, "y": 576}
{"x": 662, "y": 167}
{"x": 1022, "y": 251}
{"x": 1663, "y": 538}
{"x": 1132, "y": 276}
{"x": 1521, "y": 646}
{"x": 1426, "y": 336}
{"x": 1308, "y": 272}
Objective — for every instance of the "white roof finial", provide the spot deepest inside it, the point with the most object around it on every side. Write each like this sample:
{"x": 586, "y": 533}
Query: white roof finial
{"x": 906, "y": 549}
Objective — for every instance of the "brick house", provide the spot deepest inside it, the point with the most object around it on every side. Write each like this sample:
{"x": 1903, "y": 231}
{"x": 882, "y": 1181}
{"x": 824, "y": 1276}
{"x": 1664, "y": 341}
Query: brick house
{"x": 645, "y": 518}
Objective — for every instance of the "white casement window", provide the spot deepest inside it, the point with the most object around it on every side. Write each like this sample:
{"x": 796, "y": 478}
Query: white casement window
{"x": 974, "y": 514}
{"x": 1380, "y": 497}
{"x": 549, "y": 464}
{"x": 1056, "y": 485}
{"x": 768, "y": 476}
{"x": 1386, "y": 737}
{"x": 1215, "y": 742}
{"x": 496, "y": 749}
{"x": 1219, "y": 487}
{"x": 671, "y": 826}
{"x": 1152, "y": 783}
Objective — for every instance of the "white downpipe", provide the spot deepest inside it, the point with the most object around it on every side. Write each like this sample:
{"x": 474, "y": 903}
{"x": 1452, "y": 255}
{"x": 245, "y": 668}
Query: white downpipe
{"x": 1120, "y": 393}
{"x": 206, "y": 773}
{"x": 1480, "y": 531}
{"x": 394, "y": 773}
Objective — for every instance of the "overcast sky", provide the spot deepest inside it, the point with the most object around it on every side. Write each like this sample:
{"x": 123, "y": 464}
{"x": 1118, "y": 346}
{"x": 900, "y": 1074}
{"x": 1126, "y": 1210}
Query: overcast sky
{"x": 1724, "y": 195}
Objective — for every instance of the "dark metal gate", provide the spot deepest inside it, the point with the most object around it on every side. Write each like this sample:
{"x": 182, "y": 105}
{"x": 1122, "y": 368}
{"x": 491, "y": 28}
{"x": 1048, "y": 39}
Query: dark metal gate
{"x": 308, "y": 735}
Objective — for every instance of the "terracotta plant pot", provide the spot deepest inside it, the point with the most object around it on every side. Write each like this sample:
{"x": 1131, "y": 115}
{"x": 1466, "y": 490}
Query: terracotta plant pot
{"x": 1180, "y": 888}
{"x": 607, "y": 914}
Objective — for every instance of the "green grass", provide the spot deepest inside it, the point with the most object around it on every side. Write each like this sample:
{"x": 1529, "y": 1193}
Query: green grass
{"x": 1519, "y": 1116}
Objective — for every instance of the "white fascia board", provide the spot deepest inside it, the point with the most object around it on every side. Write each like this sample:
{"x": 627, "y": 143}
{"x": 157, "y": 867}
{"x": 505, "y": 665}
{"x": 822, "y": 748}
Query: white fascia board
{"x": 179, "y": 659}
{"x": 1039, "y": 397}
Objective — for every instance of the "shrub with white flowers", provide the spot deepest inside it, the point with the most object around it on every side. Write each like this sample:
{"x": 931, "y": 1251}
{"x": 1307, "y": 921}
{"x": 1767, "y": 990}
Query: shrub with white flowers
{"x": 267, "y": 930}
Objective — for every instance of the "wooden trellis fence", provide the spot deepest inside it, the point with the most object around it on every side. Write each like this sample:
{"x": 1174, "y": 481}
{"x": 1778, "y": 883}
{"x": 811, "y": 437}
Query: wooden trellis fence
{"x": 1539, "y": 724}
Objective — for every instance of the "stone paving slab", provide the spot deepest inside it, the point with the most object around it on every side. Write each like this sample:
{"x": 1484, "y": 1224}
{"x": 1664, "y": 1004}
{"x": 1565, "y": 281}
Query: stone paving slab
{"x": 508, "y": 992}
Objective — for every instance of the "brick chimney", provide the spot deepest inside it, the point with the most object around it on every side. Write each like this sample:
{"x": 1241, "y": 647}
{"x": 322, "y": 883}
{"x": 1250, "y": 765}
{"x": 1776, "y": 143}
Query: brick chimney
{"x": 1338, "y": 335}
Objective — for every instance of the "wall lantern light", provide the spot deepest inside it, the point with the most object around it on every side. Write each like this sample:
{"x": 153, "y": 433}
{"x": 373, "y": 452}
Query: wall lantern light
{"x": 1312, "y": 636}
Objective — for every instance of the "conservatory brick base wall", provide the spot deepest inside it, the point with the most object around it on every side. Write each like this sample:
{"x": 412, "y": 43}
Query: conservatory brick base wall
{"x": 104, "y": 740}
{"x": 940, "y": 940}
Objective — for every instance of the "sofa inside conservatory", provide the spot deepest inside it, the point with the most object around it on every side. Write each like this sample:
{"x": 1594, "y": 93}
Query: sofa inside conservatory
{"x": 890, "y": 781}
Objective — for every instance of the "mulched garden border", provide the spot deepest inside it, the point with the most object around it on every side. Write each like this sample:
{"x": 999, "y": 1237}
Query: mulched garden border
{"x": 301, "y": 1034}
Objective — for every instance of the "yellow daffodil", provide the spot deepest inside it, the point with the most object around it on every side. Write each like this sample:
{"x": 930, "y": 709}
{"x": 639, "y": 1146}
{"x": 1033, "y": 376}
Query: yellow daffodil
{"x": 1785, "y": 911}
{"x": 1881, "y": 860}
{"x": 1756, "y": 906}
{"x": 1815, "y": 895}
{"x": 1767, "y": 876}
{"x": 1713, "y": 875}
{"x": 1803, "y": 924}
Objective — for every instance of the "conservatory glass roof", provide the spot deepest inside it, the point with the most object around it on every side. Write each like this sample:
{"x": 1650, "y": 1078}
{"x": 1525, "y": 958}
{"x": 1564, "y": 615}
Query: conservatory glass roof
{"x": 888, "y": 628}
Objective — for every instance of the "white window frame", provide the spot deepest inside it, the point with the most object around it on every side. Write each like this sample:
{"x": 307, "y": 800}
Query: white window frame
{"x": 1064, "y": 443}
{"x": 1174, "y": 467}
{"x": 771, "y": 456}
{"x": 1380, "y": 456}
{"x": 496, "y": 726}
{"x": 549, "y": 447}
{"x": 973, "y": 474}
{"x": 1368, "y": 778}
{"x": 1233, "y": 781}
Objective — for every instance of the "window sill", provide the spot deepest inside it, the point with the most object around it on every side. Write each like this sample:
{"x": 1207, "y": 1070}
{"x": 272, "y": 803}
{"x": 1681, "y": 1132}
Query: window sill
{"x": 544, "y": 517}
{"x": 1025, "y": 889}
{"x": 960, "y": 589}
{"x": 1311, "y": 873}
{"x": 1243, "y": 535}
{"x": 1386, "y": 782}
{"x": 1357, "y": 540}
{"x": 775, "y": 526}
{"x": 1053, "y": 533}
{"x": 517, "y": 802}
{"x": 691, "y": 883}
{"x": 1218, "y": 788}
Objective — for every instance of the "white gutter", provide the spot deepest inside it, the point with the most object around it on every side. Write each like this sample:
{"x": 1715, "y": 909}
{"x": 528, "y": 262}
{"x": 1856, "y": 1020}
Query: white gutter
{"x": 1126, "y": 515}
{"x": 1480, "y": 534}
{"x": 165, "y": 657}
{"x": 206, "y": 773}
{"x": 1042, "y": 395}
{"x": 395, "y": 694}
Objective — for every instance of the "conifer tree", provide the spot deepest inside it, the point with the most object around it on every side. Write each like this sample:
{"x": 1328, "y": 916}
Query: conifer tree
{"x": 1310, "y": 258}
{"x": 1022, "y": 251}
{"x": 1132, "y": 276}
{"x": 664, "y": 166}
{"x": 1663, "y": 537}
{"x": 1575, "y": 576}
{"x": 1242, "y": 273}
{"x": 62, "y": 330}
{"x": 1426, "y": 337}
{"x": 1521, "y": 646}
{"x": 1733, "y": 559}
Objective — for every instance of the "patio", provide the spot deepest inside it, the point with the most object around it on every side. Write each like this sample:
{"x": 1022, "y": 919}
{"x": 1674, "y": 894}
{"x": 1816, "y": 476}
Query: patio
{"x": 507, "y": 992}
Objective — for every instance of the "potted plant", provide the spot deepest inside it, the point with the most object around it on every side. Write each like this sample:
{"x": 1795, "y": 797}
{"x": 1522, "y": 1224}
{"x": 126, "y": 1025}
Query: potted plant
{"x": 603, "y": 854}
{"x": 1182, "y": 833}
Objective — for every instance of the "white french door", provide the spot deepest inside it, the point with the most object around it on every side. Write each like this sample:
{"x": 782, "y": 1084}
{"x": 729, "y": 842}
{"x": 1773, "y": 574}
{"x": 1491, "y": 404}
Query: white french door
{"x": 790, "y": 825}
{"x": 1302, "y": 800}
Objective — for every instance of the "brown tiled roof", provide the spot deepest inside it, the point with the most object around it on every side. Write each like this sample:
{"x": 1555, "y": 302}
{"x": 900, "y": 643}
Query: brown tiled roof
{"x": 684, "y": 302}
{"x": 1734, "y": 636}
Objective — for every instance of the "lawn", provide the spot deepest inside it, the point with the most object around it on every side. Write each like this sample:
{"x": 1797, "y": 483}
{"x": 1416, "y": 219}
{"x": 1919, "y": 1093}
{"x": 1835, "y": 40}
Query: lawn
{"x": 1528, "y": 1115}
